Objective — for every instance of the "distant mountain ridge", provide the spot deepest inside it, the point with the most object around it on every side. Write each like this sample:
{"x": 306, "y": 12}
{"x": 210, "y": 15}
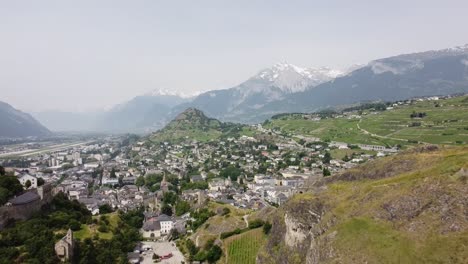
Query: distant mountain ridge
{"x": 428, "y": 73}
{"x": 146, "y": 112}
{"x": 269, "y": 85}
{"x": 285, "y": 88}
{"x": 17, "y": 124}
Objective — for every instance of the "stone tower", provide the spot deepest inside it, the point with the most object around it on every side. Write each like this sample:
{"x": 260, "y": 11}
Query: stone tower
{"x": 64, "y": 247}
{"x": 201, "y": 197}
{"x": 164, "y": 184}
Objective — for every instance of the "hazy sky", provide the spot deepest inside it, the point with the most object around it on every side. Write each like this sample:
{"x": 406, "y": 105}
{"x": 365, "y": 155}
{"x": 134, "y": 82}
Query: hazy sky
{"x": 81, "y": 55}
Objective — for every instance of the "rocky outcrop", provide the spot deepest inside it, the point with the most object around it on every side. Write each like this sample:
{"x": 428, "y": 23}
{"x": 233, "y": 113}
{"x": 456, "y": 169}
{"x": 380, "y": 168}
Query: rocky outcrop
{"x": 417, "y": 212}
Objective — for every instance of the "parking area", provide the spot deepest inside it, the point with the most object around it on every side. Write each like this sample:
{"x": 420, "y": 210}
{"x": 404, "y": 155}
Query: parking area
{"x": 162, "y": 249}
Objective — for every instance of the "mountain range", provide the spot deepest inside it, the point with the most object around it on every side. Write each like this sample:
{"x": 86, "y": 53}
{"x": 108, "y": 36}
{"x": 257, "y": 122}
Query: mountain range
{"x": 15, "y": 124}
{"x": 287, "y": 88}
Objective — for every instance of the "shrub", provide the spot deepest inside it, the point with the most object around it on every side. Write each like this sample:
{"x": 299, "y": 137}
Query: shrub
{"x": 230, "y": 233}
{"x": 103, "y": 229}
{"x": 214, "y": 254}
{"x": 256, "y": 223}
{"x": 105, "y": 209}
{"x": 266, "y": 228}
{"x": 74, "y": 225}
{"x": 226, "y": 211}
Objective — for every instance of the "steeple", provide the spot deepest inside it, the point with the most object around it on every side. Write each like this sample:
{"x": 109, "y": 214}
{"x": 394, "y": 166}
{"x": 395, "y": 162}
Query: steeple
{"x": 69, "y": 237}
{"x": 164, "y": 178}
{"x": 164, "y": 184}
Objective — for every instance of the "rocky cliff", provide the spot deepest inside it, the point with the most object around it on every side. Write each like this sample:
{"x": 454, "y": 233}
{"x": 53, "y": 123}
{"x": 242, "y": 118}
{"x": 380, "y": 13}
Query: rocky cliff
{"x": 409, "y": 208}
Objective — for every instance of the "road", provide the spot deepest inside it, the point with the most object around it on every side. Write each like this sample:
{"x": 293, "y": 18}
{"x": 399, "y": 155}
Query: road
{"x": 47, "y": 149}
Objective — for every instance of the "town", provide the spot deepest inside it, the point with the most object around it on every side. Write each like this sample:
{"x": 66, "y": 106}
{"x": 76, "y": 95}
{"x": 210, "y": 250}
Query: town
{"x": 127, "y": 172}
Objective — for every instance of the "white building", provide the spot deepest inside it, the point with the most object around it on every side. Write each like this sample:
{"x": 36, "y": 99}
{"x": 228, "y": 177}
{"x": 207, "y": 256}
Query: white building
{"x": 166, "y": 224}
{"x": 157, "y": 227}
{"x": 24, "y": 178}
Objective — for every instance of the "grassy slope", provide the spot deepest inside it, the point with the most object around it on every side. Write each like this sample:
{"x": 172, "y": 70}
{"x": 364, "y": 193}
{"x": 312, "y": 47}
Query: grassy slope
{"x": 219, "y": 224}
{"x": 88, "y": 231}
{"x": 412, "y": 229}
{"x": 435, "y": 127}
{"x": 414, "y": 210}
{"x": 337, "y": 129}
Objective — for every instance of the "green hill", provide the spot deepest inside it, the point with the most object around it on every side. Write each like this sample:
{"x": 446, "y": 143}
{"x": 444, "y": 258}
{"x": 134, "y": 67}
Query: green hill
{"x": 408, "y": 208}
{"x": 442, "y": 122}
{"x": 193, "y": 124}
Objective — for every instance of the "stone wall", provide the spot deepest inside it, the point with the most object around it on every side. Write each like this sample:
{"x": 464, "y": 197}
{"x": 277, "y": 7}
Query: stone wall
{"x": 26, "y": 211}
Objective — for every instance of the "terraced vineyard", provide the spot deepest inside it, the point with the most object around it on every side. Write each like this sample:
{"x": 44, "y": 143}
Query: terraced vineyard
{"x": 445, "y": 122}
{"x": 243, "y": 248}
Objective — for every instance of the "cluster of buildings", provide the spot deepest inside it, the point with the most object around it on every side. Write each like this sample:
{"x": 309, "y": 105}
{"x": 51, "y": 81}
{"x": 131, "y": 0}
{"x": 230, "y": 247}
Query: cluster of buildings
{"x": 246, "y": 172}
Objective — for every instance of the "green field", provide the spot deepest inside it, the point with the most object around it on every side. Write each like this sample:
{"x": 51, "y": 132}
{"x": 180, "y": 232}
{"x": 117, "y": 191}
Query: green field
{"x": 445, "y": 124}
{"x": 243, "y": 248}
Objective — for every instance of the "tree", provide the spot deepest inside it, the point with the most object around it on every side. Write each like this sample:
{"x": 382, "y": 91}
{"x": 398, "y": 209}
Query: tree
{"x": 169, "y": 198}
{"x": 326, "y": 172}
{"x": 2, "y": 171}
{"x": 346, "y": 158}
{"x": 74, "y": 225}
{"x": 105, "y": 209}
{"x": 231, "y": 172}
{"x": 166, "y": 209}
{"x": 266, "y": 228}
{"x": 140, "y": 181}
{"x": 192, "y": 249}
{"x": 256, "y": 223}
{"x": 226, "y": 211}
{"x": 326, "y": 158}
{"x": 103, "y": 228}
{"x": 9, "y": 187}
{"x": 182, "y": 207}
{"x": 27, "y": 184}
{"x": 40, "y": 181}
{"x": 214, "y": 254}
{"x": 112, "y": 174}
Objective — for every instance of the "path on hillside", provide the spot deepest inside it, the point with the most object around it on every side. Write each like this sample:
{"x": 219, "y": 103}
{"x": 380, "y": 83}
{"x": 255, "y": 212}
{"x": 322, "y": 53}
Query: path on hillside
{"x": 246, "y": 221}
{"x": 379, "y": 136}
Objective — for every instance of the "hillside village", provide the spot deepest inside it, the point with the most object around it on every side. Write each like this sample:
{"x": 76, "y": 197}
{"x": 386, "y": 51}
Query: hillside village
{"x": 126, "y": 173}
{"x": 255, "y": 168}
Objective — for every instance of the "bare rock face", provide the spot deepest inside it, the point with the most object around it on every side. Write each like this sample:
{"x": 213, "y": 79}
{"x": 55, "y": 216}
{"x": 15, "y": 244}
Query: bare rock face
{"x": 297, "y": 234}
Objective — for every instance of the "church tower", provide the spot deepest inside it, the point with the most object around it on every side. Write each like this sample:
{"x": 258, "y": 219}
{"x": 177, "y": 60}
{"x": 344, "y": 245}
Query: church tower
{"x": 69, "y": 237}
{"x": 164, "y": 184}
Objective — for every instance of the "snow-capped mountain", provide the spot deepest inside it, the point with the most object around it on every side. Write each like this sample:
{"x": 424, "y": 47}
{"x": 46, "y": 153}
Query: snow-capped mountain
{"x": 269, "y": 85}
{"x": 171, "y": 92}
{"x": 429, "y": 73}
{"x": 290, "y": 78}
{"x": 286, "y": 88}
